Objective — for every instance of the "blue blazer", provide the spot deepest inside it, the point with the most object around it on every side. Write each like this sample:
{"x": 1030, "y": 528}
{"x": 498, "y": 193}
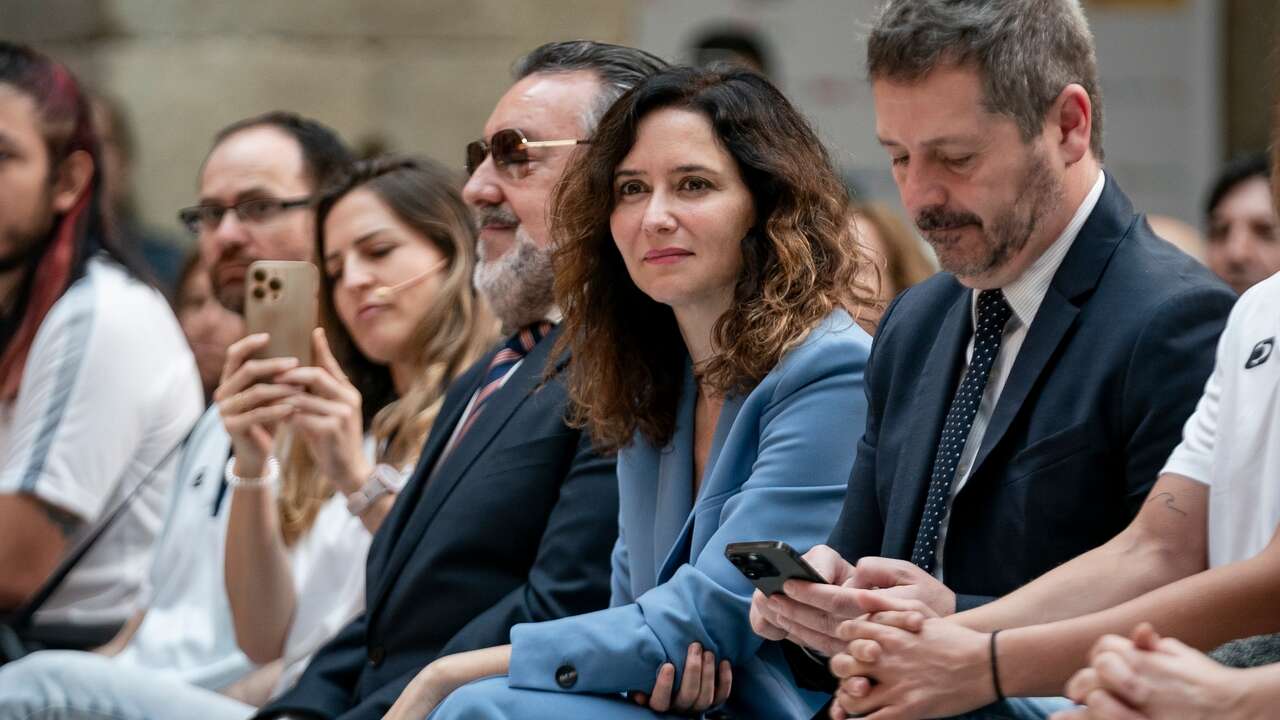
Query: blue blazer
{"x": 777, "y": 470}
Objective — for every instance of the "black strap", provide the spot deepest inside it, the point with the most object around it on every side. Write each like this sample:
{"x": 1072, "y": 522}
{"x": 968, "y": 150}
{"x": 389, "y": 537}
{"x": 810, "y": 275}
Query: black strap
{"x": 23, "y": 617}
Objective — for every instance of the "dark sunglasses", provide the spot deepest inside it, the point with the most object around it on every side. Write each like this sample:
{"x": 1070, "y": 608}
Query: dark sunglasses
{"x": 207, "y": 218}
{"x": 510, "y": 150}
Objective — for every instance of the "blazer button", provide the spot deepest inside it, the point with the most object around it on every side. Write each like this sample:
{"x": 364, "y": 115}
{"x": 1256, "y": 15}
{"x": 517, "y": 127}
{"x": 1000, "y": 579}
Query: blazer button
{"x": 566, "y": 676}
{"x": 376, "y": 655}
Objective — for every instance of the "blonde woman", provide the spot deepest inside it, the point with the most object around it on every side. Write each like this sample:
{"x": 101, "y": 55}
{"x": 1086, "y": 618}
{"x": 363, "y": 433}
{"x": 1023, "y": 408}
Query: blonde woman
{"x": 401, "y": 320}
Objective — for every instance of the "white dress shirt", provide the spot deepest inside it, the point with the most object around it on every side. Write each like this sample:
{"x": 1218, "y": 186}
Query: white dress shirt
{"x": 1024, "y": 296}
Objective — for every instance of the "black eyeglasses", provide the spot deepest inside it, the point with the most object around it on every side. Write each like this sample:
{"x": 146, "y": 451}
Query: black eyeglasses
{"x": 510, "y": 150}
{"x": 207, "y": 218}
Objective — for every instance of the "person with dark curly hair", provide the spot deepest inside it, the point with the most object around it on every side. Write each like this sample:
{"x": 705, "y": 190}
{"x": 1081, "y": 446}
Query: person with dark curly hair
{"x": 708, "y": 274}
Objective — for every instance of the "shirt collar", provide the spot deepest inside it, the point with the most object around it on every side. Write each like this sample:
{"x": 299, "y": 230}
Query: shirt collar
{"x": 1025, "y": 294}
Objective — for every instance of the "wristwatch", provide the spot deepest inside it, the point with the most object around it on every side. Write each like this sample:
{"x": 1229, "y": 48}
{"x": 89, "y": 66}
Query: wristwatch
{"x": 384, "y": 479}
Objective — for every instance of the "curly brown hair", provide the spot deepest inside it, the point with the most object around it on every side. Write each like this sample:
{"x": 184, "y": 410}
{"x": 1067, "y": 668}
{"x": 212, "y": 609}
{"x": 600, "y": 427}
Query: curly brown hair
{"x": 800, "y": 259}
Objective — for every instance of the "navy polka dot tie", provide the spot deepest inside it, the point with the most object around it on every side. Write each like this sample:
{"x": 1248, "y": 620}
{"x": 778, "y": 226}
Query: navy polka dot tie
{"x": 993, "y": 313}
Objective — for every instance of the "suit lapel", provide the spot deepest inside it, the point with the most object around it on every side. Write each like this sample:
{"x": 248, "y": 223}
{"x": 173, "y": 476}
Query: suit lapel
{"x": 435, "y": 483}
{"x": 1078, "y": 275}
{"x": 387, "y": 541}
{"x": 933, "y": 393}
{"x": 1054, "y": 318}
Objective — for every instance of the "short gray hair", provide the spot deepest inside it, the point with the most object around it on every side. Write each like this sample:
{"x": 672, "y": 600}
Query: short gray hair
{"x": 1026, "y": 51}
{"x": 619, "y": 68}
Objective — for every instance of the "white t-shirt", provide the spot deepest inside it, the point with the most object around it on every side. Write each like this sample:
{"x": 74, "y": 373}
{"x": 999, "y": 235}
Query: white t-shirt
{"x": 1232, "y": 441}
{"x": 188, "y": 632}
{"x": 108, "y": 389}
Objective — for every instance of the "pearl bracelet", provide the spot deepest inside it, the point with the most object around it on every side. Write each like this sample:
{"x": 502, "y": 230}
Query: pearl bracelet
{"x": 271, "y": 479}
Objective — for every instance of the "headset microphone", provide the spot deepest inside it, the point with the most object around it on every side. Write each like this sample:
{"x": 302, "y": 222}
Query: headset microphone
{"x": 386, "y": 292}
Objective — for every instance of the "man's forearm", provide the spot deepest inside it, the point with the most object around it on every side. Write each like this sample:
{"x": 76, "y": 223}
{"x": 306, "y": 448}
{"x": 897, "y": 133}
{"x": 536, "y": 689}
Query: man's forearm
{"x": 1204, "y": 611}
{"x": 1106, "y": 576}
{"x": 1166, "y": 542}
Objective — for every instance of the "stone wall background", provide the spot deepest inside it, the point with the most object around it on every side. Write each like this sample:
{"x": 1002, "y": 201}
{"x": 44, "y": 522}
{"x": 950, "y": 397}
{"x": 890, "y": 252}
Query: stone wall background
{"x": 418, "y": 75}
{"x": 422, "y": 75}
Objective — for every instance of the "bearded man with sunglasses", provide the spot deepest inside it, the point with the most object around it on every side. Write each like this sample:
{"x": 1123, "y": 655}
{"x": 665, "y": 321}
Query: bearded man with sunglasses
{"x": 510, "y": 515}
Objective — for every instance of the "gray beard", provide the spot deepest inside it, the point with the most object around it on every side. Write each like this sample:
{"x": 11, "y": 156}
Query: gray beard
{"x": 518, "y": 285}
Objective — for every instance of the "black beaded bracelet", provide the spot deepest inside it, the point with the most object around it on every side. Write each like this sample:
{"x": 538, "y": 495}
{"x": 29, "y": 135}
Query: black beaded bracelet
{"x": 995, "y": 668}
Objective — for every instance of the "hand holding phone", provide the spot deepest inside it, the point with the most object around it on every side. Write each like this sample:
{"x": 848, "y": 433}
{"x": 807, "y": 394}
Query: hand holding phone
{"x": 769, "y": 564}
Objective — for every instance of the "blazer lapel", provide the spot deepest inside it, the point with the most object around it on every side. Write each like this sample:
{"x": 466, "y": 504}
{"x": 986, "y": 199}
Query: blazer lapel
{"x": 674, "y": 496}
{"x": 936, "y": 386}
{"x": 1076, "y": 278}
{"x": 682, "y": 549}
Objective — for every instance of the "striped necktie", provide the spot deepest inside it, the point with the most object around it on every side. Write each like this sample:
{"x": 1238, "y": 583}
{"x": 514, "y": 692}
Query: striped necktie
{"x": 512, "y": 352}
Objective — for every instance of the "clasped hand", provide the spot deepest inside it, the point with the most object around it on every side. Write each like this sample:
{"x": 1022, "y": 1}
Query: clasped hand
{"x": 1146, "y": 677}
{"x": 901, "y": 660}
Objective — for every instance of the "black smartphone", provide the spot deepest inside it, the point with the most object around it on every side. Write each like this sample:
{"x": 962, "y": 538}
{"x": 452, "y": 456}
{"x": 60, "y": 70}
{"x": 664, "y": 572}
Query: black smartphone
{"x": 770, "y": 563}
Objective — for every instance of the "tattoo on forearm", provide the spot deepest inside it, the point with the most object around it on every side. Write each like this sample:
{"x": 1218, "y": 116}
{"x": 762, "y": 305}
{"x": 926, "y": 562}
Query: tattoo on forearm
{"x": 1168, "y": 502}
{"x": 66, "y": 522}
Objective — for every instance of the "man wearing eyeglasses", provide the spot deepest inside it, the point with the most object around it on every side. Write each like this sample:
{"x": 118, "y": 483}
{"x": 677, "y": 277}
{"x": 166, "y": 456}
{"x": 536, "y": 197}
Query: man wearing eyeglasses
{"x": 255, "y": 190}
{"x": 509, "y": 516}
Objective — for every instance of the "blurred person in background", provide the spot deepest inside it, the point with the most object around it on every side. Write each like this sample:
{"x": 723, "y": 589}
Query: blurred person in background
{"x": 895, "y": 251}
{"x": 160, "y": 251}
{"x": 256, "y": 188}
{"x": 737, "y": 46}
{"x": 1244, "y": 246}
{"x": 210, "y": 328}
{"x": 97, "y": 384}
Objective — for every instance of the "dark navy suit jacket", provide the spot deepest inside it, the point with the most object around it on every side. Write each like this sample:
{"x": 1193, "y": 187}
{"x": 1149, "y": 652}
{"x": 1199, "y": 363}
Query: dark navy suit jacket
{"x": 516, "y": 525}
{"x": 1111, "y": 368}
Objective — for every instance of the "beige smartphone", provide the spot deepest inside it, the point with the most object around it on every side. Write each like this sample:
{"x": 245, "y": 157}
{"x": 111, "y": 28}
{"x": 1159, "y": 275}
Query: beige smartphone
{"x": 280, "y": 299}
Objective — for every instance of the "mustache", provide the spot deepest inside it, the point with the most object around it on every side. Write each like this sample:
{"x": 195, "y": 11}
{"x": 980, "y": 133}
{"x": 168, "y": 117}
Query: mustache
{"x": 940, "y": 218}
{"x": 496, "y": 215}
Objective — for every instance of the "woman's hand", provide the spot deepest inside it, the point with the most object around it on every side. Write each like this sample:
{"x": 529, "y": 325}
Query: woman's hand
{"x": 250, "y": 399}
{"x": 327, "y": 416}
{"x": 701, "y": 688}
{"x": 433, "y": 684}
{"x": 427, "y": 690}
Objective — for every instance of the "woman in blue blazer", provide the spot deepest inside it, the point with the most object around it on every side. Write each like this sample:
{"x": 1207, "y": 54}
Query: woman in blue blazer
{"x": 707, "y": 272}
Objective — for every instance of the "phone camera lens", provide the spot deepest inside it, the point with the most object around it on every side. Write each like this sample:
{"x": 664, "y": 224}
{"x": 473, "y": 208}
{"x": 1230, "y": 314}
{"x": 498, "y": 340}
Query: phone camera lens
{"x": 752, "y": 575}
{"x": 259, "y": 293}
{"x": 274, "y": 284}
{"x": 260, "y": 275}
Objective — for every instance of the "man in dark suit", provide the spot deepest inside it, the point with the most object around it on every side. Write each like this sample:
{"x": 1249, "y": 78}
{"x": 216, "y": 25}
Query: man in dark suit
{"x": 510, "y": 515}
{"x": 1022, "y": 401}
